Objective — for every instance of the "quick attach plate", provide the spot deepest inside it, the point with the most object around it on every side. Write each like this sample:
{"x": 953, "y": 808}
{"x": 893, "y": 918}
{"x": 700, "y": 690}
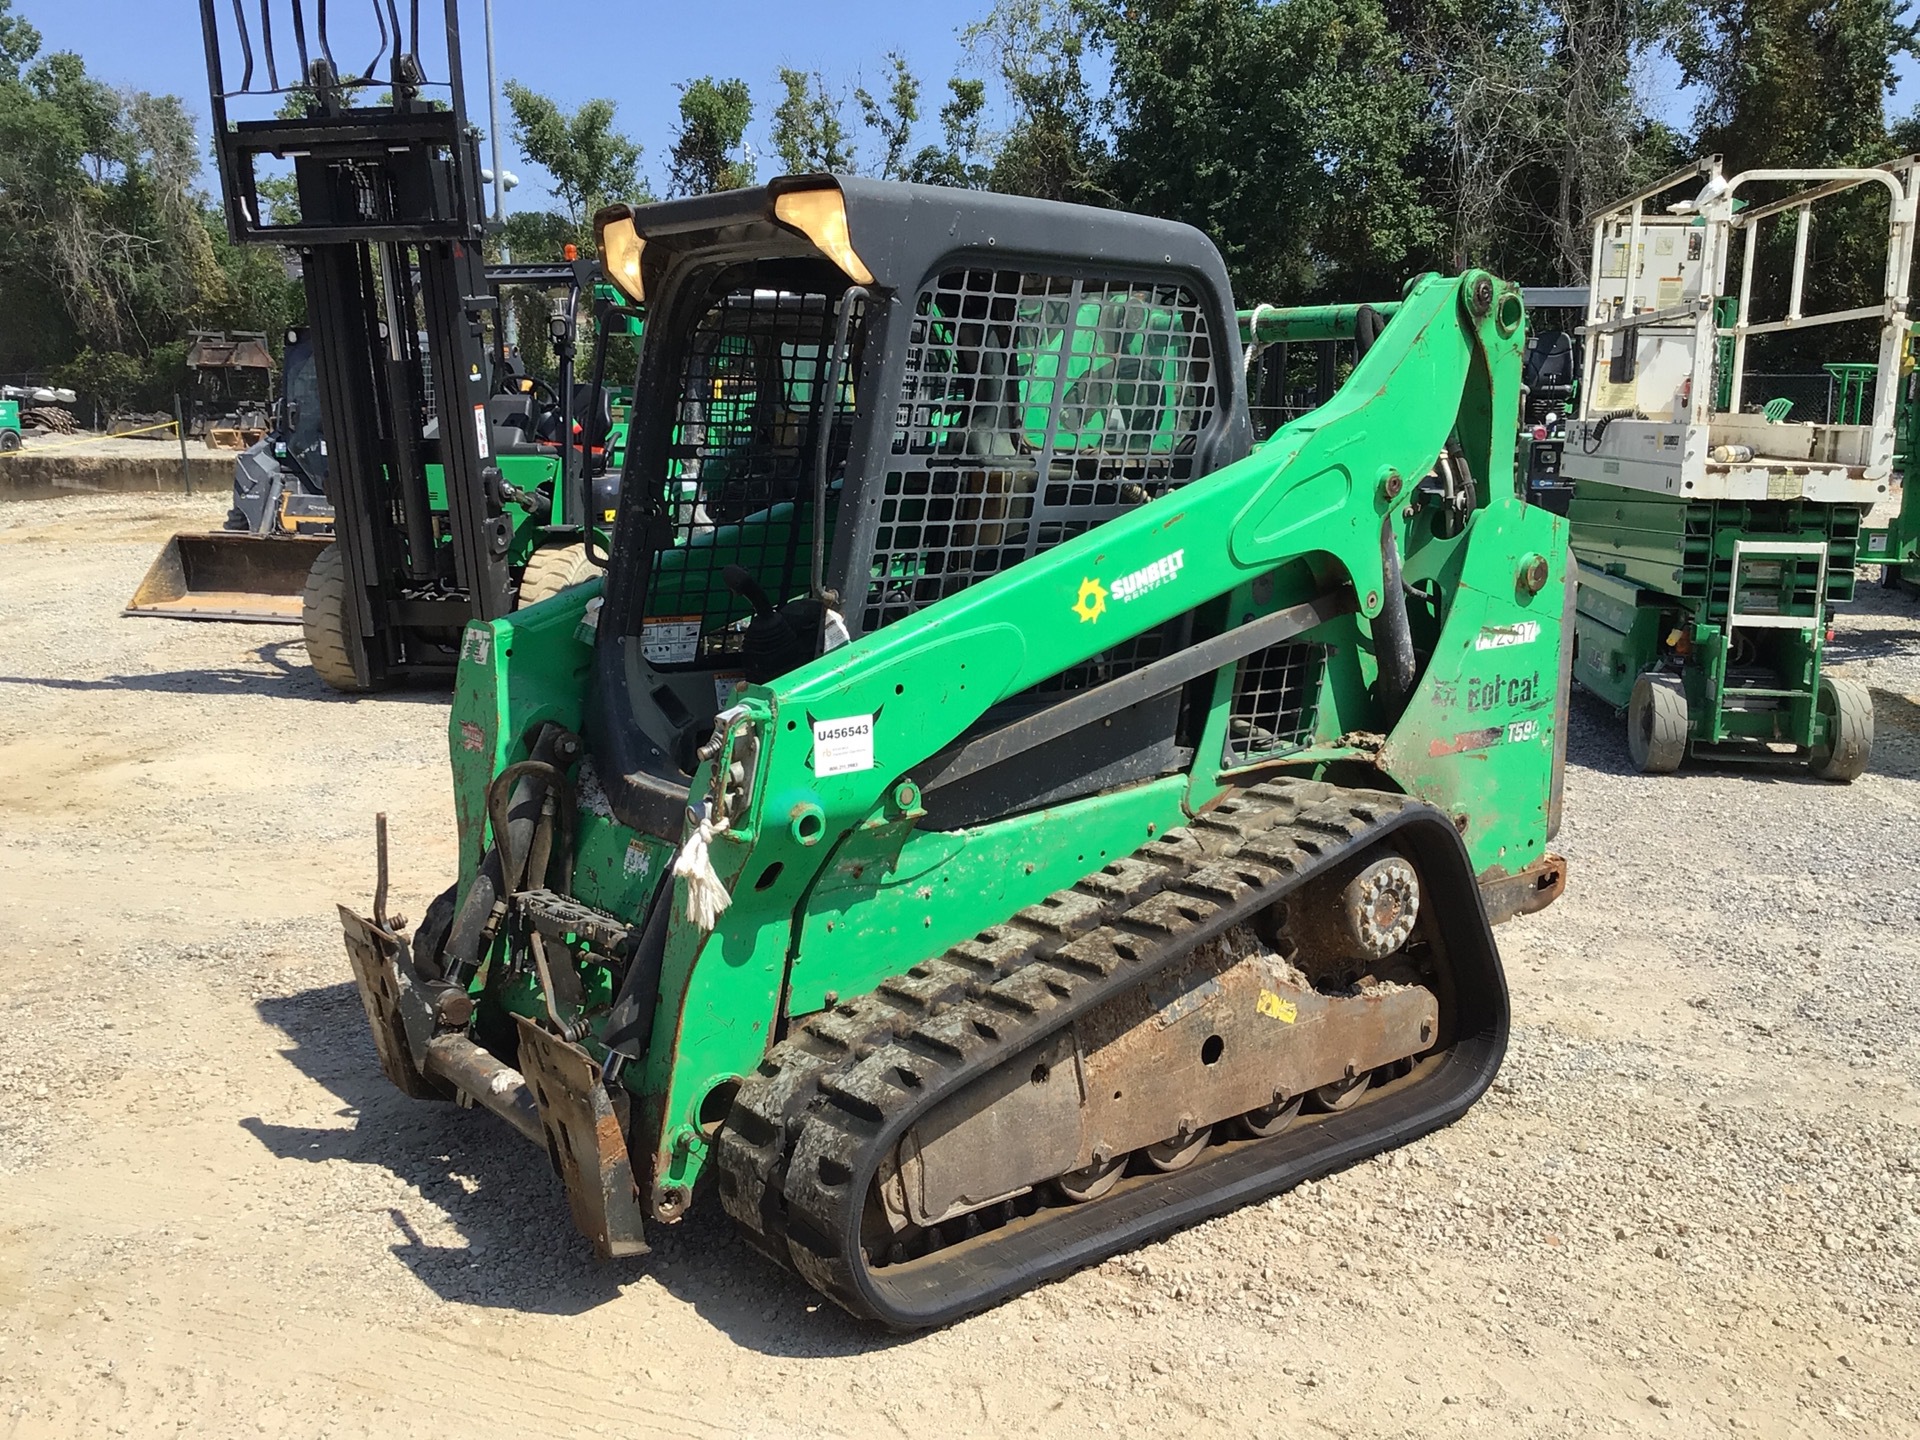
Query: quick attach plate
{"x": 586, "y": 1141}
{"x": 397, "y": 1010}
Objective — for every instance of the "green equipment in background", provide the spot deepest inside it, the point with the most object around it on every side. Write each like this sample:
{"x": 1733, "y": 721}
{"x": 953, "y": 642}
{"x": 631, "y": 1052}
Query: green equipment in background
{"x": 9, "y": 425}
{"x": 1714, "y": 537}
{"x": 1894, "y": 543}
{"x": 258, "y": 567}
{"x": 456, "y": 487}
{"x": 992, "y": 813}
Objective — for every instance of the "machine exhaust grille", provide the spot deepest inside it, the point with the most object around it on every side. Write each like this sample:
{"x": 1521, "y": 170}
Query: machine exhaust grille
{"x": 1276, "y": 701}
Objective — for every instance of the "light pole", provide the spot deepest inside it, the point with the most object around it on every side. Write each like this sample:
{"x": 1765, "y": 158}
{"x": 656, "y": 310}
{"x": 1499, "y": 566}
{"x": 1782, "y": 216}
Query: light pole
{"x": 493, "y": 124}
{"x": 499, "y": 177}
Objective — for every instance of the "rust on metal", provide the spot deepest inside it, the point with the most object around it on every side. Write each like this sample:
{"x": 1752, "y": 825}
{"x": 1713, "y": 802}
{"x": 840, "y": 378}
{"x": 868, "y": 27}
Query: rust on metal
{"x": 586, "y": 1141}
{"x": 1234, "y": 1030}
{"x": 1525, "y": 891}
{"x": 397, "y": 1011}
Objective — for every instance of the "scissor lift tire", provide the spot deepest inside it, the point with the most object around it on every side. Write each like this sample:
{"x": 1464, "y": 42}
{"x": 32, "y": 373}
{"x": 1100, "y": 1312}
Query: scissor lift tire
{"x": 1657, "y": 724}
{"x": 1848, "y": 706}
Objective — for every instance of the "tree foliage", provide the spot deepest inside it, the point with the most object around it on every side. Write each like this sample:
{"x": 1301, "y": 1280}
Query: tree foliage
{"x": 109, "y": 251}
{"x": 960, "y": 160}
{"x": 1053, "y": 147}
{"x": 1331, "y": 148}
{"x": 1288, "y": 132}
{"x": 892, "y": 117}
{"x": 707, "y": 154}
{"x": 591, "y": 162}
{"x": 809, "y": 126}
{"x": 1799, "y": 83}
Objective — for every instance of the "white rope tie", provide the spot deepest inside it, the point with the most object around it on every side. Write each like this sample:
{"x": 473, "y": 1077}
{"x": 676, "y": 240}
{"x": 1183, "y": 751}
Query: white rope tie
{"x": 1254, "y": 348}
{"x": 707, "y": 897}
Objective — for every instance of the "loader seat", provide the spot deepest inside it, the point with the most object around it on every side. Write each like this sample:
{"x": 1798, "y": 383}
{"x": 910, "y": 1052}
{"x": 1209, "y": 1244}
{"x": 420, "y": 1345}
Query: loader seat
{"x": 594, "y": 420}
{"x": 1547, "y": 371}
{"x": 510, "y": 423}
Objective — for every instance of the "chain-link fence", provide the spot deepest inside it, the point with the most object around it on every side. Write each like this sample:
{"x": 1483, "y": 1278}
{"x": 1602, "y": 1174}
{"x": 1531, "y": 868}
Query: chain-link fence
{"x": 1816, "y": 396}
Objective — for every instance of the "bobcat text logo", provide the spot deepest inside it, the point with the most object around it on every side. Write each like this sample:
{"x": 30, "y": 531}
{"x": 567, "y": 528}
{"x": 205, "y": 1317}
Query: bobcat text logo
{"x": 1500, "y": 692}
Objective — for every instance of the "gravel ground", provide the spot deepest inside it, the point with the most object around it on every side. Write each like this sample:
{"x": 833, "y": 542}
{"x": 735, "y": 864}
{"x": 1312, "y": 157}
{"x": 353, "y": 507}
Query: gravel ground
{"x": 1690, "y": 1206}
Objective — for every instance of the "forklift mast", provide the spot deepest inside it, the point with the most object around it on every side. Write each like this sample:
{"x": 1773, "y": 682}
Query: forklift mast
{"x": 384, "y": 211}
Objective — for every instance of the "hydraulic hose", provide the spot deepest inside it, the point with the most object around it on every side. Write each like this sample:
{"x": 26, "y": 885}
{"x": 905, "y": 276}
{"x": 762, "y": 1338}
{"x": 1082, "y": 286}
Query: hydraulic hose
{"x": 1393, "y": 633}
{"x": 515, "y": 800}
{"x": 629, "y": 1027}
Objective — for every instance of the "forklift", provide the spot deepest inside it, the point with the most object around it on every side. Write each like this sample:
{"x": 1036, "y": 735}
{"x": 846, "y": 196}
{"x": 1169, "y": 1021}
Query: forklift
{"x": 457, "y": 487}
{"x": 1714, "y": 537}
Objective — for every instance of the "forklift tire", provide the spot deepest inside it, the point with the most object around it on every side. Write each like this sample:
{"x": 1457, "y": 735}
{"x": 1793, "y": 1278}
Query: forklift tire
{"x": 1848, "y": 706}
{"x": 553, "y": 569}
{"x": 326, "y": 618}
{"x": 9, "y": 440}
{"x": 1657, "y": 724}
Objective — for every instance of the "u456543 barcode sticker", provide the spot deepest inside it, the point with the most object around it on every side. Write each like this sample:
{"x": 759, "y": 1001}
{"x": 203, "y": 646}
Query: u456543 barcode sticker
{"x": 841, "y": 747}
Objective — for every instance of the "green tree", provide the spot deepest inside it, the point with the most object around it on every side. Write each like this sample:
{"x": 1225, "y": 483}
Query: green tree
{"x": 1794, "y": 84}
{"x": 707, "y": 148}
{"x": 1293, "y": 134}
{"x": 1053, "y": 149}
{"x": 892, "y": 116}
{"x": 961, "y": 159}
{"x": 98, "y": 212}
{"x": 1537, "y": 105}
{"x": 590, "y": 161}
{"x": 109, "y": 251}
{"x": 809, "y": 126}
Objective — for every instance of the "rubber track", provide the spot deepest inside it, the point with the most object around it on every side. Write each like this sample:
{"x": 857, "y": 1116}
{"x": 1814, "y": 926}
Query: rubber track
{"x": 808, "y": 1129}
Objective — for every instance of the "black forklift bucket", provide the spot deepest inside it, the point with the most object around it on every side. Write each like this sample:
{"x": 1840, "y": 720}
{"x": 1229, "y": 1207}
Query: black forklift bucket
{"x": 229, "y": 575}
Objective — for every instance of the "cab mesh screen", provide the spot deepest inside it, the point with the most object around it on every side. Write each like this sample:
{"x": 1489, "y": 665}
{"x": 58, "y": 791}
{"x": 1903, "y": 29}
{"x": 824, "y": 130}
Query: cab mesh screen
{"x": 1034, "y": 407}
{"x": 746, "y": 421}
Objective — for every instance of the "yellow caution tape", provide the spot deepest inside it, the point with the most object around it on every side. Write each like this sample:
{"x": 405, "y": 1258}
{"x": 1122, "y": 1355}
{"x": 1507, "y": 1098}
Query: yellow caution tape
{"x": 39, "y": 449}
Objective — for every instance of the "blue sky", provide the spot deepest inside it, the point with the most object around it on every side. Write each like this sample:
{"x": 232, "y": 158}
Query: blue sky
{"x": 630, "y": 53}
{"x": 633, "y": 54}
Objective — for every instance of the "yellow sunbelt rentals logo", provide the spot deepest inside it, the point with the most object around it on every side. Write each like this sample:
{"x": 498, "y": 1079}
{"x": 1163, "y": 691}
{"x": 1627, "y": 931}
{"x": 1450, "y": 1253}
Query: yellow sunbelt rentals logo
{"x": 1091, "y": 603}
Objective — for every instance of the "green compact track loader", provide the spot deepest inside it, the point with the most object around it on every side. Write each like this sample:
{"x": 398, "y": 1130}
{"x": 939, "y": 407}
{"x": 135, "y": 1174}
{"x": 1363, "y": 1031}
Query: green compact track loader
{"x": 992, "y": 814}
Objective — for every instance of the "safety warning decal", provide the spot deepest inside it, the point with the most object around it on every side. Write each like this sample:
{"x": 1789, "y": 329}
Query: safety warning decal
{"x": 1274, "y": 1008}
{"x": 670, "y": 639}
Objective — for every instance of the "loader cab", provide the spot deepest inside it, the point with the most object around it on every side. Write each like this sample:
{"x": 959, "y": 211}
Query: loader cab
{"x": 296, "y": 433}
{"x": 856, "y": 398}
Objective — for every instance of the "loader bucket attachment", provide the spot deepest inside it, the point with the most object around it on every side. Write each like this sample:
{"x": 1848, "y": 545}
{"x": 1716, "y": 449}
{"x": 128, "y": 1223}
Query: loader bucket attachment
{"x": 228, "y": 576}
